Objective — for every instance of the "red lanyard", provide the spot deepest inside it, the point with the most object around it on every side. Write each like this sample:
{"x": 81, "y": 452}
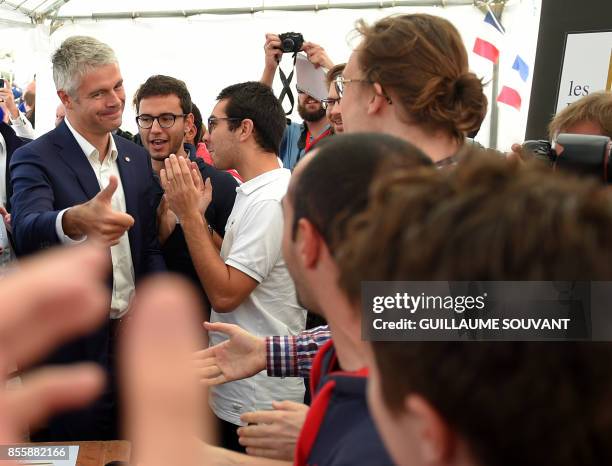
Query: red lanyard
{"x": 310, "y": 143}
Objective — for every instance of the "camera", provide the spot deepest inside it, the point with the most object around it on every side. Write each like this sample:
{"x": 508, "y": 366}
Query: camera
{"x": 578, "y": 153}
{"x": 291, "y": 42}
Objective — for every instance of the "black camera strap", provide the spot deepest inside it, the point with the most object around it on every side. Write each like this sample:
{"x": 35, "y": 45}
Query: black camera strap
{"x": 286, "y": 82}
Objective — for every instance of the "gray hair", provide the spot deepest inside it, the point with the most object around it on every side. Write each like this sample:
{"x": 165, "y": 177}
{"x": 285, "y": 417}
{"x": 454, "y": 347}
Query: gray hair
{"x": 75, "y": 57}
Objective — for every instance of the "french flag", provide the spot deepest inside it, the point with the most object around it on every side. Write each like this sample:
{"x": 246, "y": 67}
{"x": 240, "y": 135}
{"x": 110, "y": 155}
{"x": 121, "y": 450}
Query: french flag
{"x": 521, "y": 68}
{"x": 510, "y": 96}
{"x": 486, "y": 50}
{"x": 485, "y": 46}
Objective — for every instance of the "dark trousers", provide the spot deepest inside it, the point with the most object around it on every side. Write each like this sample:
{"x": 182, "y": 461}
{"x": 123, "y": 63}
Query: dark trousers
{"x": 229, "y": 437}
{"x": 99, "y": 420}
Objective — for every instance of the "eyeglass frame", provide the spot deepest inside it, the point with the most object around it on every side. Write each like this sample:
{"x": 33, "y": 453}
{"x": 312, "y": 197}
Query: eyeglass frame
{"x": 329, "y": 102}
{"x": 340, "y": 81}
{"x": 153, "y": 118}
{"x": 212, "y": 121}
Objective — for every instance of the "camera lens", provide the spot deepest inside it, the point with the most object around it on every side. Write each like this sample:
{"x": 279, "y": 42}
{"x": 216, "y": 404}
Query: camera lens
{"x": 288, "y": 45}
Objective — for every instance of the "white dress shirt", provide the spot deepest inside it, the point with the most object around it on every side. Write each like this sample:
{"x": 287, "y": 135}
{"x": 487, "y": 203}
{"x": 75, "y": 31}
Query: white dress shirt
{"x": 22, "y": 126}
{"x": 121, "y": 255}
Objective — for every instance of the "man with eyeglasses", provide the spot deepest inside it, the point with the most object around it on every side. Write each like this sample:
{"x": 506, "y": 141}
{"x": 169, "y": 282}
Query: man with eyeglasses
{"x": 79, "y": 182}
{"x": 248, "y": 283}
{"x": 164, "y": 108}
{"x": 299, "y": 138}
{"x": 331, "y": 104}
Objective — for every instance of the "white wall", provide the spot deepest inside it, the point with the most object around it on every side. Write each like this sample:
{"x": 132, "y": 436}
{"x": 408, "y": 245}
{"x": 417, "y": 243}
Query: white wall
{"x": 210, "y": 52}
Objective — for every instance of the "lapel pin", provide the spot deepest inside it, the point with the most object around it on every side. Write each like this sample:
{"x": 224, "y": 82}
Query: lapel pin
{"x": 127, "y": 159}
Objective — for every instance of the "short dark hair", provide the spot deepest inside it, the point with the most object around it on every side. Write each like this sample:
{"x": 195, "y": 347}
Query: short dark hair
{"x": 160, "y": 85}
{"x": 198, "y": 122}
{"x": 255, "y": 101}
{"x": 334, "y": 72}
{"x": 350, "y": 161}
{"x": 528, "y": 403}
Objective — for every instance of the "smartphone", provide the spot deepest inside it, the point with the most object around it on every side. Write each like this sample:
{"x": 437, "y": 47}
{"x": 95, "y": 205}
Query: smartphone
{"x": 1, "y": 82}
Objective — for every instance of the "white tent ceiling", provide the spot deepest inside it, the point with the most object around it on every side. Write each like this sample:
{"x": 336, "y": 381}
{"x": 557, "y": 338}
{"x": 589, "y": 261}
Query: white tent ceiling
{"x": 222, "y": 43}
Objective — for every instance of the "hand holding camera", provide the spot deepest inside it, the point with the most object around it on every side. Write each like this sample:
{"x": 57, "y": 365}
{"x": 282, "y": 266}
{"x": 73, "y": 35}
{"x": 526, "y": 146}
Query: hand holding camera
{"x": 273, "y": 50}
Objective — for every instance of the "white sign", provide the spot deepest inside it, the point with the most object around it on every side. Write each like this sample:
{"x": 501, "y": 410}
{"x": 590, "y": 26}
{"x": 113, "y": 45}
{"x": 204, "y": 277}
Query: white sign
{"x": 310, "y": 80}
{"x": 587, "y": 66}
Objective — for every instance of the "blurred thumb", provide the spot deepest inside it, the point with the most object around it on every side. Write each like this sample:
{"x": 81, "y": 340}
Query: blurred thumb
{"x": 107, "y": 193}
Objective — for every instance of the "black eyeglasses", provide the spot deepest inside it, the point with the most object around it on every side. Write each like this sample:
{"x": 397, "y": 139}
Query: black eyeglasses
{"x": 329, "y": 103}
{"x": 214, "y": 121}
{"x": 165, "y": 120}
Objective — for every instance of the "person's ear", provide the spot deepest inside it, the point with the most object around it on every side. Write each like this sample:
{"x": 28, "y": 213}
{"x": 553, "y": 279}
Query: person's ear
{"x": 65, "y": 98}
{"x": 246, "y": 129}
{"x": 190, "y": 128}
{"x": 308, "y": 241}
{"x": 436, "y": 439}
{"x": 379, "y": 100}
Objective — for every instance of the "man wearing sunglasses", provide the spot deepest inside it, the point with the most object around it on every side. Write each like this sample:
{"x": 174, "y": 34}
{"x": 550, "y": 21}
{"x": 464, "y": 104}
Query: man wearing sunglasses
{"x": 299, "y": 138}
{"x": 164, "y": 117}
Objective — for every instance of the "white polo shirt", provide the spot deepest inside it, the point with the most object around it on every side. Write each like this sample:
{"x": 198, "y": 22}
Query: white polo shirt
{"x": 252, "y": 244}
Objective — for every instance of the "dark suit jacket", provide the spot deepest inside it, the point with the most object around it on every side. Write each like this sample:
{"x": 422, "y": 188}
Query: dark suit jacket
{"x": 52, "y": 173}
{"x": 13, "y": 142}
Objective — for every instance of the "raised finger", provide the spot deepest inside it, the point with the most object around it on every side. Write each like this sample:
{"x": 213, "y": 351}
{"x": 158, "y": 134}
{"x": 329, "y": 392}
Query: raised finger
{"x": 185, "y": 167}
{"x": 163, "y": 178}
{"x": 260, "y": 417}
{"x": 53, "y": 297}
{"x": 53, "y": 389}
{"x": 176, "y": 169}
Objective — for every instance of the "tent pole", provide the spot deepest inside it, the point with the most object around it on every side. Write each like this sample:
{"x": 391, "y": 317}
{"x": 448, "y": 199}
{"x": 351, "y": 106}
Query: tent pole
{"x": 258, "y": 9}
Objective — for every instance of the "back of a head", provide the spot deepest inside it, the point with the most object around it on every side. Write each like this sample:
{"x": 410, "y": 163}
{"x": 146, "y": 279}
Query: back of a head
{"x": 420, "y": 60}
{"x": 349, "y": 161}
{"x": 257, "y": 102}
{"x": 76, "y": 56}
{"x": 160, "y": 85}
{"x": 528, "y": 403}
{"x": 198, "y": 123}
{"x": 595, "y": 108}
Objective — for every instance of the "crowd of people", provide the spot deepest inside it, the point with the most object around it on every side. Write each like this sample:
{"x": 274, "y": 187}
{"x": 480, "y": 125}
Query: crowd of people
{"x": 271, "y": 227}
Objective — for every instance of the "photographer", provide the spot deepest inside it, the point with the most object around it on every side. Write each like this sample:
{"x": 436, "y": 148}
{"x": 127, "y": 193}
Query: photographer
{"x": 590, "y": 115}
{"x": 298, "y": 138}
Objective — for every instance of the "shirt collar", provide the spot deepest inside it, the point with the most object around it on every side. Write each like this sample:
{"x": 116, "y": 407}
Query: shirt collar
{"x": 88, "y": 149}
{"x": 260, "y": 181}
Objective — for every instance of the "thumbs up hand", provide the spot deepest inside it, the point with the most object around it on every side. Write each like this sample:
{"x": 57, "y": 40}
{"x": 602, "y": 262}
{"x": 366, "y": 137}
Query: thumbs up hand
{"x": 97, "y": 219}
